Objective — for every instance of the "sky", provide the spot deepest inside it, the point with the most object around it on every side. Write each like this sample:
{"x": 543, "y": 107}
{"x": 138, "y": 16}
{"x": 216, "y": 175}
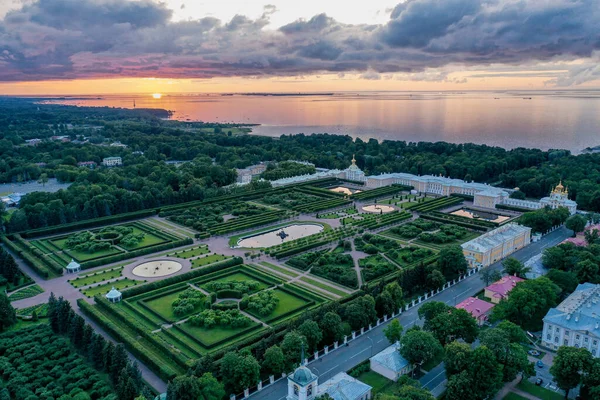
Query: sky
{"x": 174, "y": 46}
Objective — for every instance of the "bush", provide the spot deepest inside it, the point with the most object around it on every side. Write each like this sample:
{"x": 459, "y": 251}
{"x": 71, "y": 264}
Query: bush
{"x": 187, "y": 301}
{"x": 263, "y": 303}
{"x": 222, "y": 318}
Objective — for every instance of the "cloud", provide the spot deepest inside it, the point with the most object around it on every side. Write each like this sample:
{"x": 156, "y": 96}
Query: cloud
{"x": 78, "y": 39}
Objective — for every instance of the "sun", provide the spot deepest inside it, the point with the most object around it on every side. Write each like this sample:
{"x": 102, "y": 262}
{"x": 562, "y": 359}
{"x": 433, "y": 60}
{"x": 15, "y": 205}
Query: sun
{"x": 157, "y": 95}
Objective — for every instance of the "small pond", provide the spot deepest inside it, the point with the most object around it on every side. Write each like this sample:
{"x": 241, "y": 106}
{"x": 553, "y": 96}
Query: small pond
{"x": 378, "y": 208}
{"x": 156, "y": 269}
{"x": 279, "y": 235}
{"x": 473, "y": 214}
{"x": 345, "y": 190}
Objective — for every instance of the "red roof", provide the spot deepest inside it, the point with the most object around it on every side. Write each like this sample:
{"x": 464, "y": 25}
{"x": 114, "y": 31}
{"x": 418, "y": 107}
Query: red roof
{"x": 476, "y": 307}
{"x": 504, "y": 285}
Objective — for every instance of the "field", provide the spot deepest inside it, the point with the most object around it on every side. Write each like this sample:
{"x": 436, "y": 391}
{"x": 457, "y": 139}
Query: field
{"x": 97, "y": 277}
{"x": 25, "y": 293}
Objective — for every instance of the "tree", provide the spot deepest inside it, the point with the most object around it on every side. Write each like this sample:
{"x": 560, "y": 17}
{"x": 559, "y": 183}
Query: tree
{"x": 452, "y": 262}
{"x": 274, "y": 361}
{"x": 488, "y": 275}
{"x": 291, "y": 346}
{"x": 568, "y": 367}
{"x": 514, "y": 333}
{"x": 459, "y": 387}
{"x": 566, "y": 281}
{"x": 43, "y": 179}
{"x": 384, "y": 304}
{"x": 360, "y": 312}
{"x": 311, "y": 331}
{"x": 517, "y": 194}
{"x": 590, "y": 385}
{"x": 118, "y": 361}
{"x": 435, "y": 279}
{"x": 576, "y": 223}
{"x": 418, "y": 347}
{"x": 210, "y": 388}
{"x": 592, "y": 236}
{"x": 485, "y": 374}
{"x": 514, "y": 267}
{"x": 453, "y": 324}
{"x": 432, "y": 309}
{"x": 393, "y": 332}
{"x": 587, "y": 271}
{"x": 528, "y": 303}
{"x": 184, "y": 387}
{"x": 331, "y": 326}
{"x": 8, "y": 315}
{"x": 396, "y": 293}
{"x": 239, "y": 371}
{"x": 457, "y": 357}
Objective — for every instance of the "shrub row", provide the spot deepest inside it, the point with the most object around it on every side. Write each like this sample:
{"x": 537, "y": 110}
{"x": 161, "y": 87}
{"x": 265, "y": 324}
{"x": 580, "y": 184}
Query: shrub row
{"x": 459, "y": 223}
{"x": 463, "y": 196}
{"x": 33, "y": 262}
{"x": 89, "y": 223}
{"x": 320, "y": 205}
{"x": 299, "y": 249}
{"x": 136, "y": 253}
{"x": 512, "y": 208}
{"x": 250, "y": 221}
{"x": 436, "y": 204}
{"x": 229, "y": 294}
{"x": 207, "y": 346}
{"x": 383, "y": 220}
{"x": 230, "y": 262}
{"x": 138, "y": 350}
{"x": 224, "y": 306}
{"x": 453, "y": 218}
{"x": 319, "y": 191}
{"x": 379, "y": 192}
{"x": 180, "y": 342}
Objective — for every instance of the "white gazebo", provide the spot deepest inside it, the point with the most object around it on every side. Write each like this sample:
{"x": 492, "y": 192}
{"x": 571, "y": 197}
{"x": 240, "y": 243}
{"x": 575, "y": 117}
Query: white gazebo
{"x": 114, "y": 296}
{"x": 73, "y": 267}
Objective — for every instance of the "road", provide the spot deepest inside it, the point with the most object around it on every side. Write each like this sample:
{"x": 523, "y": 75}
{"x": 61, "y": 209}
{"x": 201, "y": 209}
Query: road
{"x": 374, "y": 341}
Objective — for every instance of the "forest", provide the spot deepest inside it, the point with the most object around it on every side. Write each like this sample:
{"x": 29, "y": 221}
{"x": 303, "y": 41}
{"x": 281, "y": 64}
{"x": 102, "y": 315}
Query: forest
{"x": 146, "y": 181}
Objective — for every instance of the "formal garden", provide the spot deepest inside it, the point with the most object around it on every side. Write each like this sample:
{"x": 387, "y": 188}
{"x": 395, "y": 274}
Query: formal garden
{"x": 375, "y": 266}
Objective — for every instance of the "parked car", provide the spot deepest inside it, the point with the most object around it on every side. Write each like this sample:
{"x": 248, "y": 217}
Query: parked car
{"x": 539, "y": 381}
{"x": 540, "y": 364}
{"x": 534, "y": 353}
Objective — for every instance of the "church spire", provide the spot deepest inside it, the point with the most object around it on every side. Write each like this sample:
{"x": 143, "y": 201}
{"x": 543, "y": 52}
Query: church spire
{"x": 353, "y": 160}
{"x": 302, "y": 355}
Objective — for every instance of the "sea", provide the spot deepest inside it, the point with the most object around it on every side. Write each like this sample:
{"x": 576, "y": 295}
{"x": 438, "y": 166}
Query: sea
{"x": 558, "y": 119}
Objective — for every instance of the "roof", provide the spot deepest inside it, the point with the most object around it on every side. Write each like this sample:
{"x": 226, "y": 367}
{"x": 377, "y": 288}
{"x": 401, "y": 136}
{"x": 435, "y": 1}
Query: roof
{"x": 474, "y": 306}
{"x": 495, "y": 238}
{"x": 113, "y": 294}
{"x": 344, "y": 387}
{"x": 504, "y": 285}
{"x": 73, "y": 265}
{"x": 112, "y": 158}
{"x": 303, "y": 376}
{"x": 580, "y": 311}
{"x": 391, "y": 359}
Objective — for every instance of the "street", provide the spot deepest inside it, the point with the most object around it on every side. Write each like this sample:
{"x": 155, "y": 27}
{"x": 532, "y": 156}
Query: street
{"x": 372, "y": 342}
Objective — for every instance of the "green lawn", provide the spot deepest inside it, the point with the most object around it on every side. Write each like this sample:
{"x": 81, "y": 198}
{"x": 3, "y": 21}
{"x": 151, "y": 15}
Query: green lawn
{"x": 237, "y": 276}
{"x": 25, "y": 293}
{"x": 212, "y": 335}
{"x": 279, "y": 269}
{"x": 376, "y": 381}
{"x": 97, "y": 277}
{"x": 103, "y": 289}
{"x": 213, "y": 258}
{"x": 163, "y": 306}
{"x": 149, "y": 239}
{"x": 538, "y": 391}
{"x": 514, "y": 396}
{"x": 196, "y": 251}
{"x": 287, "y": 303}
{"x": 324, "y": 286}
{"x": 81, "y": 256}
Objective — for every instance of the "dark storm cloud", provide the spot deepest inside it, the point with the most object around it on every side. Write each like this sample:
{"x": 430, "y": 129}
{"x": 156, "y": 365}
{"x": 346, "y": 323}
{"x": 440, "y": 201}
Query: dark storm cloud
{"x": 70, "y": 39}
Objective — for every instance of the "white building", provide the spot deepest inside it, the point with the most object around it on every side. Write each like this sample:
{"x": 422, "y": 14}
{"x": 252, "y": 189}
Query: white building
{"x": 390, "y": 363}
{"x": 559, "y": 197}
{"x": 245, "y": 175}
{"x": 496, "y": 244}
{"x": 353, "y": 173}
{"x": 302, "y": 384}
{"x": 112, "y": 161}
{"x": 73, "y": 267}
{"x": 344, "y": 387}
{"x": 114, "y": 296}
{"x": 576, "y": 321}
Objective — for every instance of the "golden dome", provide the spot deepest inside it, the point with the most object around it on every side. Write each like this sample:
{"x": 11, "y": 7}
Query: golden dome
{"x": 559, "y": 188}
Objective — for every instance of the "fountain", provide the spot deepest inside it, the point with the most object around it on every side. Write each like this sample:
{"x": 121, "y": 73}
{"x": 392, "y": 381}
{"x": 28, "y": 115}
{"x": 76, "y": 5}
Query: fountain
{"x": 156, "y": 269}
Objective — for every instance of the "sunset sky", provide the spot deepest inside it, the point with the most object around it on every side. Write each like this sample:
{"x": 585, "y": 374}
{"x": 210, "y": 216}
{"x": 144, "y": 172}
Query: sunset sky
{"x": 120, "y": 46}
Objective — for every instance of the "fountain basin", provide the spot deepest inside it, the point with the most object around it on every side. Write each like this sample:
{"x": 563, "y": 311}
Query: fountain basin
{"x": 156, "y": 269}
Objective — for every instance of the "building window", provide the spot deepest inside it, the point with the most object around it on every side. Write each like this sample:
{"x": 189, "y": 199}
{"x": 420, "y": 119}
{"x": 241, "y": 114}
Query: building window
{"x": 577, "y": 345}
{"x": 566, "y": 333}
{"x": 595, "y": 342}
{"x": 556, "y": 339}
{"x": 309, "y": 391}
{"x": 296, "y": 390}
{"x": 585, "y": 340}
{"x": 557, "y": 330}
{"x": 577, "y": 337}
{"x": 565, "y": 342}
{"x": 548, "y": 336}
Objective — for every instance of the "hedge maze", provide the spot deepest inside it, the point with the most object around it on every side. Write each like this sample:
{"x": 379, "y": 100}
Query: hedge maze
{"x": 379, "y": 192}
{"x": 440, "y": 202}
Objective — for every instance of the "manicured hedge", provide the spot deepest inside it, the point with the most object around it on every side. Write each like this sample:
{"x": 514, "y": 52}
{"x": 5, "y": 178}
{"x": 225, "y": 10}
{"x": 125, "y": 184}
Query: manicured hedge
{"x": 32, "y": 261}
{"x": 455, "y": 222}
{"x": 320, "y": 192}
{"x": 230, "y": 262}
{"x": 229, "y": 294}
{"x": 136, "y": 253}
{"x": 463, "y": 196}
{"x": 512, "y": 208}
{"x": 89, "y": 223}
{"x": 224, "y": 306}
{"x": 379, "y": 192}
{"x": 440, "y": 202}
{"x": 138, "y": 350}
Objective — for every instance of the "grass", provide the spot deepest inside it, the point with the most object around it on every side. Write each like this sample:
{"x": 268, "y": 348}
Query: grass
{"x": 163, "y": 306}
{"x": 25, "y": 293}
{"x": 287, "y": 302}
{"x": 324, "y": 286}
{"x": 81, "y": 256}
{"x": 514, "y": 396}
{"x": 40, "y": 309}
{"x": 213, "y": 335}
{"x": 538, "y": 391}
{"x": 97, "y": 277}
{"x": 237, "y": 276}
{"x": 95, "y": 271}
{"x": 279, "y": 269}
{"x": 376, "y": 381}
{"x": 193, "y": 252}
{"x": 149, "y": 239}
{"x": 105, "y": 288}
{"x": 213, "y": 258}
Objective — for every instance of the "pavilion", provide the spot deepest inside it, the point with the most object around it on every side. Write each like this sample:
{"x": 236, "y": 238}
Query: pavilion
{"x": 114, "y": 296}
{"x": 73, "y": 267}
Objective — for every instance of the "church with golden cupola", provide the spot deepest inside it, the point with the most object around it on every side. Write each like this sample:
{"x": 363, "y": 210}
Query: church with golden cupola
{"x": 559, "y": 197}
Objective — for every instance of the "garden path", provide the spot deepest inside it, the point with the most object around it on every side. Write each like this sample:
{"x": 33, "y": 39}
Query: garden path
{"x": 356, "y": 255}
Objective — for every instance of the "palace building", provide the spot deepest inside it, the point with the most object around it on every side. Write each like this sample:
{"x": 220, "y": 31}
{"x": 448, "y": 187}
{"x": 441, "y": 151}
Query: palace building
{"x": 496, "y": 244}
